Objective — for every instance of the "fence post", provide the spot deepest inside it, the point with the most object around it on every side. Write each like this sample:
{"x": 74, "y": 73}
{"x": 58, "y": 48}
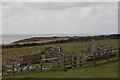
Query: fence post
{"x": 41, "y": 65}
{"x": 80, "y": 62}
{"x": 58, "y": 65}
{"x": 65, "y": 69}
{"x": 94, "y": 60}
{"x": 13, "y": 69}
{"x": 74, "y": 62}
{"x": 28, "y": 66}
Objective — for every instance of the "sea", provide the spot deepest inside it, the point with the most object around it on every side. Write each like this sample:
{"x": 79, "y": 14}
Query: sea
{"x": 9, "y": 38}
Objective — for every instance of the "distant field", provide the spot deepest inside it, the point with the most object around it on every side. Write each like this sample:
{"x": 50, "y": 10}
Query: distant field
{"x": 68, "y": 48}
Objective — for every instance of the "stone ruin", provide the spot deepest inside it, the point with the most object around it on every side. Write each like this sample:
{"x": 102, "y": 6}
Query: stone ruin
{"x": 93, "y": 53}
{"x": 49, "y": 52}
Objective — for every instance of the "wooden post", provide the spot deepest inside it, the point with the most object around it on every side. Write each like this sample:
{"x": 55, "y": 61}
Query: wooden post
{"x": 41, "y": 66}
{"x": 71, "y": 63}
{"x": 27, "y": 66}
{"x": 65, "y": 69}
{"x": 107, "y": 55}
{"x": 3, "y": 70}
{"x": 74, "y": 64}
{"x": 21, "y": 69}
{"x": 36, "y": 67}
{"x": 80, "y": 62}
{"x": 13, "y": 69}
{"x": 58, "y": 65}
{"x": 94, "y": 60}
{"x": 118, "y": 54}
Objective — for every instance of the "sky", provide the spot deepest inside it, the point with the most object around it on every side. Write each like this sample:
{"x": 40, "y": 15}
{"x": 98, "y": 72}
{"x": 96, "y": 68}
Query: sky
{"x": 59, "y": 17}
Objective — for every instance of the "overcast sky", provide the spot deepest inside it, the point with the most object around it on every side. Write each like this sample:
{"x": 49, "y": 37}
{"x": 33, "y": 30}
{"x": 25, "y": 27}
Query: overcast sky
{"x": 60, "y": 17}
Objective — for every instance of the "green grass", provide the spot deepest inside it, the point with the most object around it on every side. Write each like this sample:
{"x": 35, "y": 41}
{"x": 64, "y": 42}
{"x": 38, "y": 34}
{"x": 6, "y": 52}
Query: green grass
{"x": 68, "y": 48}
{"x": 103, "y": 70}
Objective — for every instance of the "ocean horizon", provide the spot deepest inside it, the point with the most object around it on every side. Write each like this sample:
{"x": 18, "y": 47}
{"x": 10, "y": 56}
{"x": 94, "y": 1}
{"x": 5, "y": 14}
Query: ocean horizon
{"x": 9, "y": 38}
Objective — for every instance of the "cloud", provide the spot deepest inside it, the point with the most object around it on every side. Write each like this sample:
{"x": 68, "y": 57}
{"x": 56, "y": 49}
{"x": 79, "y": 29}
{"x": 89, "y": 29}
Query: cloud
{"x": 60, "y": 17}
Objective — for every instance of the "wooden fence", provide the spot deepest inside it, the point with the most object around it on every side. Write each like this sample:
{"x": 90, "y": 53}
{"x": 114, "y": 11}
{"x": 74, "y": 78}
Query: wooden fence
{"x": 51, "y": 64}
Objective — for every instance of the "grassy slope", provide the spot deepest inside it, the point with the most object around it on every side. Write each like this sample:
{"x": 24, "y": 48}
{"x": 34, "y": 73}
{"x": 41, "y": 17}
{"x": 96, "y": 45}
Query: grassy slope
{"x": 107, "y": 70}
{"x": 103, "y": 70}
{"x": 67, "y": 47}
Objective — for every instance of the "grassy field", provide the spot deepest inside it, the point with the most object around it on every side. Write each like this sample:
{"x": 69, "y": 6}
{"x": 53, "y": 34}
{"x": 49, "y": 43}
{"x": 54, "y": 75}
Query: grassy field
{"x": 105, "y": 70}
{"x": 68, "y": 48}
